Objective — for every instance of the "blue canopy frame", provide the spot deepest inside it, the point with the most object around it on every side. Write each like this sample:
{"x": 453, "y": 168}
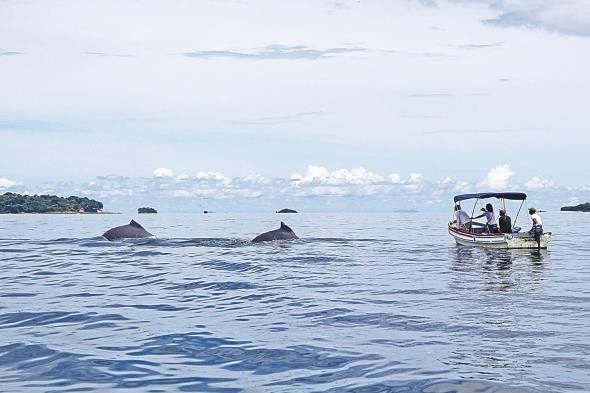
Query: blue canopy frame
{"x": 514, "y": 196}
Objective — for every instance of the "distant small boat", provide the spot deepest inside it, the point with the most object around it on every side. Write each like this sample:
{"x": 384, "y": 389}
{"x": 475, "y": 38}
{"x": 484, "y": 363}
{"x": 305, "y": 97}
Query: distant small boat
{"x": 477, "y": 235}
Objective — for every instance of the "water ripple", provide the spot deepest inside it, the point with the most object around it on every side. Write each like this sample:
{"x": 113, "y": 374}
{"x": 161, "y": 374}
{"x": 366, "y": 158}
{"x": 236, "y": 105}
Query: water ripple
{"x": 361, "y": 303}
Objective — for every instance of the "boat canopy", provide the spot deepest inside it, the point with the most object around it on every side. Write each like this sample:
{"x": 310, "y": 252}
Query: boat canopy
{"x": 515, "y": 196}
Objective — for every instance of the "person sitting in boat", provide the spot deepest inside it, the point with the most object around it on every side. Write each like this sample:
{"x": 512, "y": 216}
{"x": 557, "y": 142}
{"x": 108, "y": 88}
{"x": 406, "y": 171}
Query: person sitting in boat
{"x": 462, "y": 219}
{"x": 505, "y": 222}
{"x": 537, "y": 229}
{"x": 491, "y": 223}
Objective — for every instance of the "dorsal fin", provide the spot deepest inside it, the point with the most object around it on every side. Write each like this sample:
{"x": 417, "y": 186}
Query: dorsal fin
{"x": 285, "y": 227}
{"x": 133, "y": 223}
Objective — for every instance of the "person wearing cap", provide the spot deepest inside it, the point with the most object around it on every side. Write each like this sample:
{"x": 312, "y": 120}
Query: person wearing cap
{"x": 462, "y": 219}
{"x": 537, "y": 229}
{"x": 505, "y": 222}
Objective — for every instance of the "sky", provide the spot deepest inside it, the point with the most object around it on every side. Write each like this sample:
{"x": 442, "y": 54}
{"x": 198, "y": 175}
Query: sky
{"x": 240, "y": 105}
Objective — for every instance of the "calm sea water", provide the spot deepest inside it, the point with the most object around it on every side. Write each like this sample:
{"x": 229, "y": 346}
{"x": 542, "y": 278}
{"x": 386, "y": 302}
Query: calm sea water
{"x": 362, "y": 303}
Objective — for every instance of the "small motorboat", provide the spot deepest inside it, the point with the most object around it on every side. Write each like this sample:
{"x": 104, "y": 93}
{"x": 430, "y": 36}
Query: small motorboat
{"x": 478, "y": 234}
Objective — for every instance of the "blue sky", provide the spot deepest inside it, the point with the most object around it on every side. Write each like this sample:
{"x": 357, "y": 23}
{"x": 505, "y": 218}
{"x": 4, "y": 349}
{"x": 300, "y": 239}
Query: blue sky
{"x": 365, "y": 91}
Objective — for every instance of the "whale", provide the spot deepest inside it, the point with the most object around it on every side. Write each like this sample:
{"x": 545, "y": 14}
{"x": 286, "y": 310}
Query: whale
{"x": 130, "y": 231}
{"x": 283, "y": 233}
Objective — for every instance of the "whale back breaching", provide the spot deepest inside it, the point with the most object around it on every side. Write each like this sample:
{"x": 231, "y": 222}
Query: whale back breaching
{"x": 283, "y": 233}
{"x": 130, "y": 231}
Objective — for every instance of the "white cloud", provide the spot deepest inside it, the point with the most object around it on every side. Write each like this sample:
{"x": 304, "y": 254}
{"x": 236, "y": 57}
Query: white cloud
{"x": 563, "y": 16}
{"x": 255, "y": 179}
{"x": 216, "y": 176}
{"x": 416, "y": 178}
{"x": 538, "y": 183}
{"x": 414, "y": 184}
{"x": 7, "y": 183}
{"x": 203, "y": 177}
{"x": 163, "y": 172}
{"x": 498, "y": 178}
{"x": 338, "y": 188}
{"x": 320, "y": 181}
{"x": 321, "y": 175}
{"x": 395, "y": 178}
{"x": 448, "y": 184}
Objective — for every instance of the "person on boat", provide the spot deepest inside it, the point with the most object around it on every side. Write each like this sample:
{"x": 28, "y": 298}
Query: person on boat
{"x": 491, "y": 223}
{"x": 537, "y": 229}
{"x": 462, "y": 219}
{"x": 505, "y": 222}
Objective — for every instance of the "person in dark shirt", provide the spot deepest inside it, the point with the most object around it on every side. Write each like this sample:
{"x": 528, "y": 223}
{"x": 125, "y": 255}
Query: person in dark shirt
{"x": 505, "y": 222}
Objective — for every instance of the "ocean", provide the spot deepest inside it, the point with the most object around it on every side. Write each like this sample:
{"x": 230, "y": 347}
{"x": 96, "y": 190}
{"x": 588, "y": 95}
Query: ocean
{"x": 361, "y": 303}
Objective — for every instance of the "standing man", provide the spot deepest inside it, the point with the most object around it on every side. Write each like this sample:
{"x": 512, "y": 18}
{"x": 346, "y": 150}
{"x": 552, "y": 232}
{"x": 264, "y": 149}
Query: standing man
{"x": 537, "y": 229}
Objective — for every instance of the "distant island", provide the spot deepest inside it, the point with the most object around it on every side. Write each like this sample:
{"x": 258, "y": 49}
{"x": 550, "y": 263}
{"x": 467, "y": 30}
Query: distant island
{"x": 17, "y": 203}
{"x": 146, "y": 210}
{"x": 583, "y": 207}
{"x": 287, "y": 211}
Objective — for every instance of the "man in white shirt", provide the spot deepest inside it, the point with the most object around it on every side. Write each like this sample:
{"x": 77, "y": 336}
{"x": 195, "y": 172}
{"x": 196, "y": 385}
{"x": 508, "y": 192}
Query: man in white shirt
{"x": 535, "y": 217}
{"x": 537, "y": 229}
{"x": 462, "y": 219}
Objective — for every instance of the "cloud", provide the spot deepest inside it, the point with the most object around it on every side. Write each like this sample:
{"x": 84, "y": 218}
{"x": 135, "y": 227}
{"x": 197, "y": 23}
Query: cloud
{"x": 7, "y": 183}
{"x": 276, "y": 120}
{"x": 205, "y": 177}
{"x": 339, "y": 189}
{"x": 427, "y": 55}
{"x": 33, "y": 126}
{"x": 10, "y": 53}
{"x": 276, "y": 52}
{"x": 353, "y": 182}
{"x": 428, "y": 3}
{"x": 450, "y": 185}
{"x": 395, "y": 178}
{"x": 414, "y": 184}
{"x": 537, "y": 183}
{"x": 430, "y": 95}
{"x": 319, "y": 181}
{"x": 321, "y": 175}
{"x": 163, "y": 173}
{"x": 570, "y": 17}
{"x": 479, "y": 131}
{"x": 498, "y": 178}
{"x": 104, "y": 54}
{"x": 445, "y": 94}
{"x": 480, "y": 46}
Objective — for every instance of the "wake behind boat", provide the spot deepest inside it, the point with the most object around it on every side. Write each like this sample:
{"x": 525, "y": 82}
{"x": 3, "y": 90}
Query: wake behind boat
{"x": 472, "y": 233}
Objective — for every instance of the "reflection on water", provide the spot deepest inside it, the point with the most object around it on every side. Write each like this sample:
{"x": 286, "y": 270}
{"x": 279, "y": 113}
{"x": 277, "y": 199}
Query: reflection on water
{"x": 362, "y": 303}
{"x": 503, "y": 269}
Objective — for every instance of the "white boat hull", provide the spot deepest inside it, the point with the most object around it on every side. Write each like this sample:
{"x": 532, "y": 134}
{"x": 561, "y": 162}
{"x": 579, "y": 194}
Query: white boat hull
{"x": 499, "y": 240}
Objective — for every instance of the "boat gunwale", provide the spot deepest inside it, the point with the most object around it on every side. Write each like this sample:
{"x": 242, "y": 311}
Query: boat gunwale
{"x": 472, "y": 234}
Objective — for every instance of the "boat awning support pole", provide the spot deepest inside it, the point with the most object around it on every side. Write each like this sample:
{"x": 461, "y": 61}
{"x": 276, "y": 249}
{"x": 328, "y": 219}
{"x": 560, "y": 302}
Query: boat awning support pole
{"x": 474, "y": 206}
{"x": 516, "y": 219}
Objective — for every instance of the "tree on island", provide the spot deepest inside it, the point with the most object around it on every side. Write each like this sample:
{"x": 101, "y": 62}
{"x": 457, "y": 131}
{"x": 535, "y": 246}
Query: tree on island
{"x": 583, "y": 207}
{"x": 18, "y": 203}
{"x": 286, "y": 211}
{"x": 143, "y": 210}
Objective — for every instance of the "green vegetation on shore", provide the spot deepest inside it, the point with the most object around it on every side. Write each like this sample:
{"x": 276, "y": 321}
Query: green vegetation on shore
{"x": 17, "y": 203}
{"x": 583, "y": 207}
